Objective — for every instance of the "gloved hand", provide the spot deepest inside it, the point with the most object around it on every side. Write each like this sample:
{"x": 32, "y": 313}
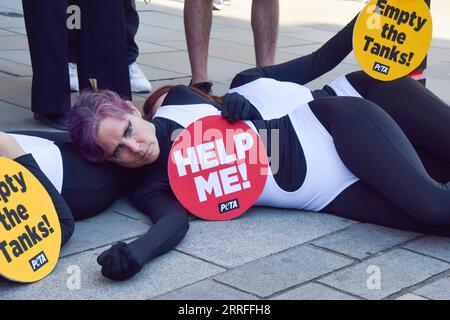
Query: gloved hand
{"x": 118, "y": 263}
{"x": 236, "y": 107}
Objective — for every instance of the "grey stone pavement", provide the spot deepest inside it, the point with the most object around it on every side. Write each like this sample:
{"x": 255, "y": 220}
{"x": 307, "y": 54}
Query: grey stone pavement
{"x": 267, "y": 253}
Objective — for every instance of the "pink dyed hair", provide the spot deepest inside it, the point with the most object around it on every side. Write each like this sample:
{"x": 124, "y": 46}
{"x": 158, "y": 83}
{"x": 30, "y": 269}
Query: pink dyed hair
{"x": 85, "y": 116}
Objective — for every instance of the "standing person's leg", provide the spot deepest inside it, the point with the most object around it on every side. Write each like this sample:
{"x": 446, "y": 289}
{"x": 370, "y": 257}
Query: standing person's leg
{"x": 73, "y": 72}
{"x": 132, "y": 25}
{"x": 103, "y": 53}
{"x": 374, "y": 148}
{"x": 197, "y": 25}
{"x": 138, "y": 80}
{"x": 47, "y": 33}
{"x": 265, "y": 16}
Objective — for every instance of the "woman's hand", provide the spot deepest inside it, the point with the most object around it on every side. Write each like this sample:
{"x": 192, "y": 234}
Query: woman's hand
{"x": 236, "y": 107}
{"x": 9, "y": 148}
{"x": 118, "y": 263}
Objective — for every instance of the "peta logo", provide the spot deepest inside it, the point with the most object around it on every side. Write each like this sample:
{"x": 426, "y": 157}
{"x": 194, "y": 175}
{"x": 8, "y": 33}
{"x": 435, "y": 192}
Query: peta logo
{"x": 38, "y": 261}
{"x": 381, "y": 68}
{"x": 229, "y": 205}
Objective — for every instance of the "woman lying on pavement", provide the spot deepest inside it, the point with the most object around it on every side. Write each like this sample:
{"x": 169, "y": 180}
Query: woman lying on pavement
{"x": 352, "y": 159}
{"x": 78, "y": 188}
{"x": 340, "y": 155}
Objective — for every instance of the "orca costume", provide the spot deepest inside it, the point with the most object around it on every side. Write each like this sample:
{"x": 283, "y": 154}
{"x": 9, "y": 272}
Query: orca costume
{"x": 78, "y": 188}
{"x": 316, "y": 187}
{"x": 420, "y": 114}
{"x": 340, "y": 155}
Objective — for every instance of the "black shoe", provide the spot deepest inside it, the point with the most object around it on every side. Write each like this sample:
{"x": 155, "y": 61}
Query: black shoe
{"x": 56, "y": 121}
{"x": 206, "y": 87}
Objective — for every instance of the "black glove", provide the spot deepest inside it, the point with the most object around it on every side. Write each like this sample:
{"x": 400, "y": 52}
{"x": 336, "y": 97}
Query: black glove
{"x": 118, "y": 263}
{"x": 236, "y": 107}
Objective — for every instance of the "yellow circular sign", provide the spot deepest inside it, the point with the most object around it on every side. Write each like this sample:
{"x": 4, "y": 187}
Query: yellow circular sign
{"x": 30, "y": 233}
{"x": 392, "y": 37}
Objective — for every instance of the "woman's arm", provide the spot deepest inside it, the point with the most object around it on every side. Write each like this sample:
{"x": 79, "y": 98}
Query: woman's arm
{"x": 170, "y": 220}
{"x": 9, "y": 148}
{"x": 307, "y": 68}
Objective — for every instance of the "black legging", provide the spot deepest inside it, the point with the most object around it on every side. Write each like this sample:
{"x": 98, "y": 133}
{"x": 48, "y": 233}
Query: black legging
{"x": 394, "y": 190}
{"x": 422, "y": 116}
{"x": 88, "y": 188}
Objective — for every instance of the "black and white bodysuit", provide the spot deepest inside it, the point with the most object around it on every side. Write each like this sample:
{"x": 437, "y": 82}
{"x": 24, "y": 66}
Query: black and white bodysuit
{"x": 371, "y": 154}
{"x": 421, "y": 115}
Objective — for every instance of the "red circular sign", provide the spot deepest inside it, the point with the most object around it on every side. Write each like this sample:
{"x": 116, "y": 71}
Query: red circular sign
{"x": 217, "y": 169}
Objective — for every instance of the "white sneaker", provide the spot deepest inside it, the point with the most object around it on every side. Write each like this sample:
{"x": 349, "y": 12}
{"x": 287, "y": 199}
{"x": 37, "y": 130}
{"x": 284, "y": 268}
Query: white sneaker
{"x": 138, "y": 80}
{"x": 73, "y": 76}
{"x": 217, "y": 4}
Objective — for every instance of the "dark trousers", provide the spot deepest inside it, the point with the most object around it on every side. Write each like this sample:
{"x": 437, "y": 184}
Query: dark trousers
{"x": 101, "y": 50}
{"x": 131, "y": 24}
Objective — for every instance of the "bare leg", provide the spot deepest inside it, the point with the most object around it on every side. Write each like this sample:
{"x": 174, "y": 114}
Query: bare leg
{"x": 265, "y": 15}
{"x": 197, "y": 26}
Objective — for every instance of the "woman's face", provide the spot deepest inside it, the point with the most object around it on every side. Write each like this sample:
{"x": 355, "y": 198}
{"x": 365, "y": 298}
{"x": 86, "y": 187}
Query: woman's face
{"x": 129, "y": 142}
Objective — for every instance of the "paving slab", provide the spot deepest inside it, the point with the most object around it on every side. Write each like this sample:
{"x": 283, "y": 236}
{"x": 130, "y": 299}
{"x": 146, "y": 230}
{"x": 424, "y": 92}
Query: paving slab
{"x": 163, "y": 20}
{"x": 14, "y": 43}
{"x": 6, "y": 33}
{"x": 364, "y": 240}
{"x": 313, "y": 291}
{"x": 106, "y": 228}
{"x": 219, "y": 69}
{"x": 16, "y": 91}
{"x": 302, "y": 49}
{"x": 440, "y": 43}
{"x": 124, "y": 207}
{"x": 18, "y": 56}
{"x": 439, "y": 54}
{"x": 157, "y": 277}
{"x": 14, "y": 118}
{"x": 11, "y": 22}
{"x": 167, "y": 7}
{"x": 319, "y": 83}
{"x": 281, "y": 271}
{"x": 410, "y": 296}
{"x": 14, "y": 68}
{"x": 439, "y": 87}
{"x": 342, "y": 69}
{"x": 310, "y": 34}
{"x": 153, "y": 73}
{"x": 245, "y": 36}
{"x": 18, "y": 30}
{"x": 438, "y": 247}
{"x": 13, "y": 5}
{"x": 438, "y": 290}
{"x": 301, "y": 27}
{"x": 158, "y": 35}
{"x": 206, "y": 290}
{"x": 397, "y": 269}
{"x": 439, "y": 69}
{"x": 231, "y": 243}
{"x": 232, "y": 51}
{"x": 148, "y": 47}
